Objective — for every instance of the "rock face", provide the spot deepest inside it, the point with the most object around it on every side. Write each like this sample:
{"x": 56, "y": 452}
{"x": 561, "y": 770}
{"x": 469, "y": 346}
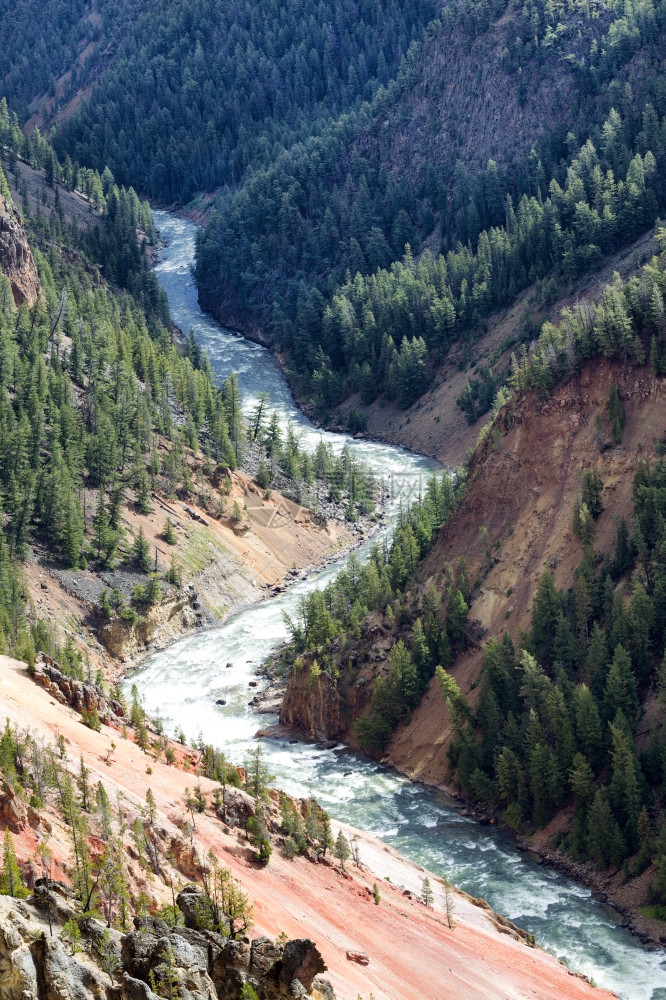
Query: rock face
{"x": 162, "y": 622}
{"x": 79, "y": 695}
{"x": 16, "y": 260}
{"x": 312, "y": 706}
{"x": 200, "y": 965}
{"x": 13, "y": 812}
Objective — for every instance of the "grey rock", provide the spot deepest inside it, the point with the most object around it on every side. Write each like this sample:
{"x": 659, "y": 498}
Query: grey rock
{"x": 191, "y": 902}
{"x": 324, "y": 988}
{"x": 136, "y": 989}
{"x": 265, "y": 955}
{"x": 301, "y": 959}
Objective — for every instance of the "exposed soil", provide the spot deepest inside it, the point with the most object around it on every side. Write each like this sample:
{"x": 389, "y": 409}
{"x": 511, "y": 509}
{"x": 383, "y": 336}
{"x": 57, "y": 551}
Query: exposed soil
{"x": 435, "y": 425}
{"x": 224, "y": 565}
{"x": 42, "y": 197}
{"x": 412, "y": 954}
{"x": 522, "y": 486}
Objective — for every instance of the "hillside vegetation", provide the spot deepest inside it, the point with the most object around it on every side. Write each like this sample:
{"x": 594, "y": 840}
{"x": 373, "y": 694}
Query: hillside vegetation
{"x": 109, "y": 428}
{"x": 199, "y": 94}
{"x": 578, "y": 176}
{"x": 539, "y": 608}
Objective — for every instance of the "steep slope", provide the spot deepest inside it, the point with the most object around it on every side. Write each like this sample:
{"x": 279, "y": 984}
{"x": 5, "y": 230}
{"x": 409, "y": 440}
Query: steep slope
{"x": 547, "y": 100}
{"x": 43, "y": 65}
{"x": 223, "y": 86}
{"x": 220, "y": 543}
{"x": 16, "y": 260}
{"x": 542, "y": 595}
{"x": 522, "y": 486}
{"x": 298, "y": 896}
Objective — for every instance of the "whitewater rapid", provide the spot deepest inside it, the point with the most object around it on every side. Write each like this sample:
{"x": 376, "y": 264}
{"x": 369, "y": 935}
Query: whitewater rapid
{"x": 183, "y": 683}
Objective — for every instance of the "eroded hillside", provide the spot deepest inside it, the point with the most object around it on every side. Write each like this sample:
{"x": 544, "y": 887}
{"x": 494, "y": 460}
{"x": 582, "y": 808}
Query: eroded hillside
{"x": 293, "y": 897}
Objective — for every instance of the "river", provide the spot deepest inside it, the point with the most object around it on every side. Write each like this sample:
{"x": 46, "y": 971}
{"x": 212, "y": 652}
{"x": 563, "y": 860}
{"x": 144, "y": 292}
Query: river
{"x": 182, "y": 684}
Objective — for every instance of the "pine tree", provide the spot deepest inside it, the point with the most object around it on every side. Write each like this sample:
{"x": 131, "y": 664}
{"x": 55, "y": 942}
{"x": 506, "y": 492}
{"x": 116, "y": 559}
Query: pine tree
{"x": 456, "y": 620}
{"x": 104, "y": 810}
{"x": 11, "y": 879}
{"x": 257, "y": 774}
{"x": 449, "y": 902}
{"x": 324, "y": 834}
{"x": 616, "y": 413}
{"x": 168, "y": 533}
{"x": 258, "y": 417}
{"x": 545, "y": 613}
{"x": 143, "y": 504}
{"x": 403, "y": 673}
{"x": 141, "y": 551}
{"x": 600, "y": 820}
{"x": 427, "y": 895}
{"x": 580, "y": 779}
{"x": 588, "y": 724}
{"x": 621, "y": 692}
{"x": 640, "y": 615}
{"x": 233, "y": 413}
{"x": 421, "y": 653}
{"x": 342, "y": 851}
{"x": 83, "y": 782}
{"x": 106, "y": 539}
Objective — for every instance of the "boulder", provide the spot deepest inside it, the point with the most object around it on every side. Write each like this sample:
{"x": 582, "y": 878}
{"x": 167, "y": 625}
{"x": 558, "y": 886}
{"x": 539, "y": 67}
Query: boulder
{"x": 265, "y": 955}
{"x": 358, "y": 956}
{"x": 192, "y": 903}
{"x": 237, "y": 808}
{"x": 137, "y": 951}
{"x": 301, "y": 960}
{"x": 322, "y": 990}
{"x": 136, "y": 989}
{"x": 55, "y": 898}
{"x": 63, "y": 976}
{"x": 186, "y": 858}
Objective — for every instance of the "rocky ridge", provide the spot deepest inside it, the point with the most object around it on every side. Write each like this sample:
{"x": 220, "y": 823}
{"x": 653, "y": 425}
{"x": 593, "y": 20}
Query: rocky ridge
{"x": 16, "y": 260}
{"x": 37, "y": 963}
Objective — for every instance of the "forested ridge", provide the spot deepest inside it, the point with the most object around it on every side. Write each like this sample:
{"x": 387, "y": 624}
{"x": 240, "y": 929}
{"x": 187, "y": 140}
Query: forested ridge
{"x": 99, "y": 406}
{"x": 102, "y": 410}
{"x": 200, "y": 93}
{"x": 340, "y": 215}
{"x": 557, "y": 723}
{"x": 38, "y": 65}
{"x": 343, "y": 140}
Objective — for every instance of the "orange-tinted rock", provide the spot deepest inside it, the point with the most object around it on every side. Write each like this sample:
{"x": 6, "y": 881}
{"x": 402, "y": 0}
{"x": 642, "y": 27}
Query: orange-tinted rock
{"x": 16, "y": 260}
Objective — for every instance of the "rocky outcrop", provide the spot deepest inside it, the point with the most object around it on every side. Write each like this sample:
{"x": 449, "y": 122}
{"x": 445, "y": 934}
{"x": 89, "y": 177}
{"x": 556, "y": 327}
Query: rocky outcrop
{"x": 160, "y": 624}
{"x": 80, "y": 695}
{"x": 197, "y": 965}
{"x": 312, "y": 705}
{"x": 236, "y": 807}
{"x": 16, "y": 260}
{"x": 13, "y": 813}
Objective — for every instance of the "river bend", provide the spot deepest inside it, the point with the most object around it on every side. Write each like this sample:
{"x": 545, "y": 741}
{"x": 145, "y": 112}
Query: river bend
{"x": 182, "y": 684}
